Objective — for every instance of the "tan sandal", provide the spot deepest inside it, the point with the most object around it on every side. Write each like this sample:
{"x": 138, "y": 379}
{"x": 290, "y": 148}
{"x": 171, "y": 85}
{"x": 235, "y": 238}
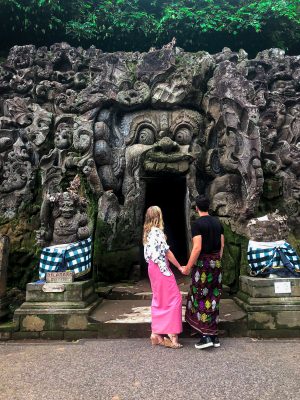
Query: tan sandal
{"x": 171, "y": 342}
{"x": 156, "y": 340}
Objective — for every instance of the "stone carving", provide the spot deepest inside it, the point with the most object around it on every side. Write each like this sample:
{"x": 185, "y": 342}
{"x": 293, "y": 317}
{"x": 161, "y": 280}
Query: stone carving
{"x": 275, "y": 77}
{"x": 233, "y": 132}
{"x": 229, "y": 125}
{"x": 24, "y": 128}
{"x": 64, "y": 233}
{"x": 73, "y": 141}
{"x": 270, "y": 228}
{"x": 63, "y": 217}
{"x": 157, "y": 142}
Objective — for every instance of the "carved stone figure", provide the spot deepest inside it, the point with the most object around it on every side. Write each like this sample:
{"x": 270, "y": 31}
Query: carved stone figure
{"x": 63, "y": 218}
{"x": 64, "y": 233}
{"x": 233, "y": 132}
{"x": 269, "y": 253}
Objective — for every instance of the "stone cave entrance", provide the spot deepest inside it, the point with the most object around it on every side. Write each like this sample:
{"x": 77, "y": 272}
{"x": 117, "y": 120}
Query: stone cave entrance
{"x": 170, "y": 194}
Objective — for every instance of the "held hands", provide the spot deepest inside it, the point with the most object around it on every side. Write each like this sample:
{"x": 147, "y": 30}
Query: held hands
{"x": 184, "y": 270}
{"x": 181, "y": 269}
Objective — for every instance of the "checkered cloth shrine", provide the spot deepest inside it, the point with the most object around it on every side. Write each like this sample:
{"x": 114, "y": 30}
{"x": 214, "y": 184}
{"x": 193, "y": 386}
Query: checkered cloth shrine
{"x": 74, "y": 257}
{"x": 277, "y": 257}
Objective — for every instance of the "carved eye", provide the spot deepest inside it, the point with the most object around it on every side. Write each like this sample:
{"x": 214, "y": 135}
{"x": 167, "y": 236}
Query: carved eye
{"x": 41, "y": 124}
{"x": 146, "y": 136}
{"x": 183, "y": 136}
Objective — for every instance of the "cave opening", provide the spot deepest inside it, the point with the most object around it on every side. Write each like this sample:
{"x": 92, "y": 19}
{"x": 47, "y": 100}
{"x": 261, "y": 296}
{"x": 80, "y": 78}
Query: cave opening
{"x": 170, "y": 193}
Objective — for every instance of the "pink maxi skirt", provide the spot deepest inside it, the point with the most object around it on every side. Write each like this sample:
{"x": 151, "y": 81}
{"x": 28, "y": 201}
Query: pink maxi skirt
{"x": 166, "y": 306}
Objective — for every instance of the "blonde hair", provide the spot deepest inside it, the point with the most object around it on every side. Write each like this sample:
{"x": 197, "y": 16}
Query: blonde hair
{"x": 153, "y": 218}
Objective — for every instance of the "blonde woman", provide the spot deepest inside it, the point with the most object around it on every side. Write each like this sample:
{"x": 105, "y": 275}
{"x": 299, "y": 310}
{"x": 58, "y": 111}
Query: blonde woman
{"x": 166, "y": 298}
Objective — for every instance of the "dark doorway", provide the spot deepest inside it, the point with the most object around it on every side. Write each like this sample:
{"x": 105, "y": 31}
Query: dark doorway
{"x": 169, "y": 194}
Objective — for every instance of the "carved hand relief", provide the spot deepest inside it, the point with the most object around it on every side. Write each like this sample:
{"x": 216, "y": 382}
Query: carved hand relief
{"x": 171, "y": 93}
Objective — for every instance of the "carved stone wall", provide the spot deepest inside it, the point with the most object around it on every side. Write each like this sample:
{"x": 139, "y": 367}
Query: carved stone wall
{"x": 230, "y": 125}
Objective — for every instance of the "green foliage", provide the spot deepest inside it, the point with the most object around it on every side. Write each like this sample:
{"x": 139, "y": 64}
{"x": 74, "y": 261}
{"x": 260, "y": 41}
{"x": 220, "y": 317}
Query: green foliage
{"x": 138, "y": 24}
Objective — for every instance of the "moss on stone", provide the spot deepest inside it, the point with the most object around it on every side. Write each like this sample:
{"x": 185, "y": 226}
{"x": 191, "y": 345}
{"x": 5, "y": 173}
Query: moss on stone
{"x": 23, "y": 255}
{"x": 116, "y": 265}
{"x": 294, "y": 242}
{"x": 113, "y": 260}
{"x": 234, "y": 259}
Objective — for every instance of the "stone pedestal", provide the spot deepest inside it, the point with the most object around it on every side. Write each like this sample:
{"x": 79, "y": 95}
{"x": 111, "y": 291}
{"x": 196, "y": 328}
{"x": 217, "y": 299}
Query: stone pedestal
{"x": 63, "y": 310}
{"x": 272, "y": 306}
{"x": 4, "y": 252}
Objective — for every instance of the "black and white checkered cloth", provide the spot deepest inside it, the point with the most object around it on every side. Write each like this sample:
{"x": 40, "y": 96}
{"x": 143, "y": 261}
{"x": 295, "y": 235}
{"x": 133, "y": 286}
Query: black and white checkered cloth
{"x": 76, "y": 257}
{"x": 278, "y": 258}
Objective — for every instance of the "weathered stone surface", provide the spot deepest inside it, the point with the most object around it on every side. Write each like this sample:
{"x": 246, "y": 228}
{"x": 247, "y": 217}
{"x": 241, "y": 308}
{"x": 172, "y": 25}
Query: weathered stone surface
{"x": 264, "y": 287}
{"x": 4, "y": 251}
{"x": 269, "y": 228}
{"x": 52, "y": 335}
{"x": 63, "y": 219}
{"x": 261, "y": 320}
{"x": 64, "y": 311}
{"x": 33, "y": 323}
{"x": 228, "y": 124}
{"x": 53, "y": 320}
{"x": 73, "y": 292}
{"x": 267, "y": 310}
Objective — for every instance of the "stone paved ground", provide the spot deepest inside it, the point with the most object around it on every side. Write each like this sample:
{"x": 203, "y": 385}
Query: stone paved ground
{"x": 131, "y": 369}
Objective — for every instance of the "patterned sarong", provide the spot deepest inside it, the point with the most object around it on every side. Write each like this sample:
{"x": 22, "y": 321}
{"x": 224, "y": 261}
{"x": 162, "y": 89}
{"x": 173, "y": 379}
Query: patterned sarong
{"x": 277, "y": 258}
{"x": 203, "y": 300}
{"x": 74, "y": 257}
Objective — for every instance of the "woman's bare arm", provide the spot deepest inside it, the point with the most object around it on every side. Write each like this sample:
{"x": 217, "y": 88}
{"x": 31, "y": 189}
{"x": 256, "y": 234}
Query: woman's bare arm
{"x": 170, "y": 256}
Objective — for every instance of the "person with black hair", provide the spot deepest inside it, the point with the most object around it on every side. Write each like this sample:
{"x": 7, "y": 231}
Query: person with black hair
{"x": 202, "y": 308}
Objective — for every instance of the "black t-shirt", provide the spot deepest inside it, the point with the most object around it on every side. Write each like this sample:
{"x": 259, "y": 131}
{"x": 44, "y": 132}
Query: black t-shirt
{"x": 211, "y": 230}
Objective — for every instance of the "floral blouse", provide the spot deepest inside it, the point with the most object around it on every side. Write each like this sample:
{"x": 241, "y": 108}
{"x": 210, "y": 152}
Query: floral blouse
{"x": 155, "y": 249}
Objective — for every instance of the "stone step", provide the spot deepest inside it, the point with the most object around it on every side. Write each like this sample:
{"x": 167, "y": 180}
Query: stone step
{"x": 142, "y": 290}
{"x": 131, "y": 318}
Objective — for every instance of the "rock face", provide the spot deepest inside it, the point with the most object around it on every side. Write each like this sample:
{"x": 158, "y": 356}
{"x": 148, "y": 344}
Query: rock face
{"x": 230, "y": 126}
{"x": 4, "y": 250}
{"x": 269, "y": 228}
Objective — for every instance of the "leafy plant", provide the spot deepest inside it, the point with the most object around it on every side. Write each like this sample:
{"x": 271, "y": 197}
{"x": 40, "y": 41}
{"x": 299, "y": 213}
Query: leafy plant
{"x": 139, "y": 24}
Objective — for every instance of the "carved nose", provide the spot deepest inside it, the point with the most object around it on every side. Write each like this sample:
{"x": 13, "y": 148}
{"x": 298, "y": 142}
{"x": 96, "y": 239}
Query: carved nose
{"x": 167, "y": 145}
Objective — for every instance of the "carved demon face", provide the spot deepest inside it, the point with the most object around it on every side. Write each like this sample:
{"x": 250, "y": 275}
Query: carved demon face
{"x": 15, "y": 168}
{"x": 67, "y": 206}
{"x": 63, "y": 136}
{"x": 82, "y": 135}
{"x": 39, "y": 129}
{"x": 166, "y": 139}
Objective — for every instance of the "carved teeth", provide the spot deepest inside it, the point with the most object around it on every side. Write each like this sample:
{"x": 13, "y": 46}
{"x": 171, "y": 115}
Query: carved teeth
{"x": 181, "y": 167}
